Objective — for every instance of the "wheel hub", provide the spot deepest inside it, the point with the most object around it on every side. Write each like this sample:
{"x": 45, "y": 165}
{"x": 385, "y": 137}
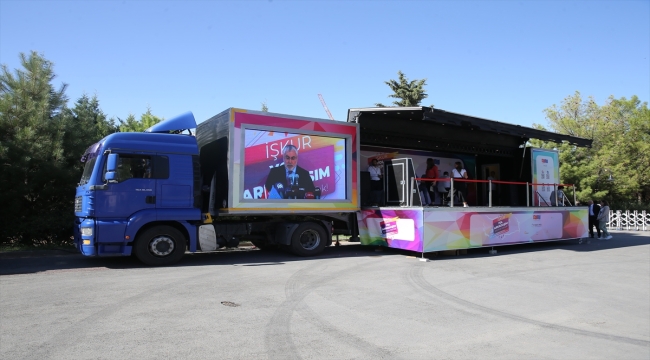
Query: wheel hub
{"x": 309, "y": 239}
{"x": 161, "y": 246}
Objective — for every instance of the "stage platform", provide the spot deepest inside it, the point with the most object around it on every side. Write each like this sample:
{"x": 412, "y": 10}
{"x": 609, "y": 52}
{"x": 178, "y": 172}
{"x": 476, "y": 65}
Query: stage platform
{"x": 430, "y": 229}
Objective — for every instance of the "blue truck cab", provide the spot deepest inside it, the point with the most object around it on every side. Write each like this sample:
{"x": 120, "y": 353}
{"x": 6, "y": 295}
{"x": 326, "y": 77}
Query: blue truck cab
{"x": 140, "y": 193}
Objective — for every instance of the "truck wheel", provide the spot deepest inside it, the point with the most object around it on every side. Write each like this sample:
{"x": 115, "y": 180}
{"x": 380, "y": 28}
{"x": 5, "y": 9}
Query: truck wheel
{"x": 308, "y": 239}
{"x": 159, "y": 246}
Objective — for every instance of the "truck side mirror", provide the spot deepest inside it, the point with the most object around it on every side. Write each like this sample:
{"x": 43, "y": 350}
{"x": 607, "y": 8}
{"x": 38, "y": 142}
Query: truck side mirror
{"x": 111, "y": 168}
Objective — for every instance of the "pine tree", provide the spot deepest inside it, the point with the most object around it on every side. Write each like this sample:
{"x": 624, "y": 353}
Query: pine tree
{"x": 31, "y": 153}
{"x": 85, "y": 124}
{"x": 410, "y": 93}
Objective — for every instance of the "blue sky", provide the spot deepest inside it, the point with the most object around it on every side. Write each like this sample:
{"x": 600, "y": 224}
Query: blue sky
{"x": 500, "y": 60}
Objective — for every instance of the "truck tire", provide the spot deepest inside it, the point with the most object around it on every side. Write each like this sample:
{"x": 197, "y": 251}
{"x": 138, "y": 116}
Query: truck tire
{"x": 160, "y": 246}
{"x": 308, "y": 239}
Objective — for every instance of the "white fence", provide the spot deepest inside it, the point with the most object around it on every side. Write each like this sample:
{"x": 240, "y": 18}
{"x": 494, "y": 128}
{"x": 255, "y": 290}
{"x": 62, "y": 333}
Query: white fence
{"x": 629, "y": 220}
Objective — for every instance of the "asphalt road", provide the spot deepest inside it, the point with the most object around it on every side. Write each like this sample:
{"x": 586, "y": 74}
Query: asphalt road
{"x": 557, "y": 300}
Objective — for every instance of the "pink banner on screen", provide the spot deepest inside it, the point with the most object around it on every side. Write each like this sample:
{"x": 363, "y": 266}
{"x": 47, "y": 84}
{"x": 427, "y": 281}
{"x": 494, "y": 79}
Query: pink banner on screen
{"x": 273, "y": 150}
{"x": 319, "y": 162}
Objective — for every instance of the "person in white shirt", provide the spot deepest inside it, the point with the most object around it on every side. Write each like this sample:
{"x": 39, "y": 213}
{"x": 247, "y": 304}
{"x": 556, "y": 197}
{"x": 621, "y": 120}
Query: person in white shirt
{"x": 460, "y": 186}
{"x": 376, "y": 183}
{"x": 495, "y": 194}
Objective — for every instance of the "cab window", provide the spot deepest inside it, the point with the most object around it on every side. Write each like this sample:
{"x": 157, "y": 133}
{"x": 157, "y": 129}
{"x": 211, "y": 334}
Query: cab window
{"x": 136, "y": 166}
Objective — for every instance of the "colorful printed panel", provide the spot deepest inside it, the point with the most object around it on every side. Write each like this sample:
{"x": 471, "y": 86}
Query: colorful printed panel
{"x": 446, "y": 230}
{"x": 545, "y": 166}
{"x": 400, "y": 229}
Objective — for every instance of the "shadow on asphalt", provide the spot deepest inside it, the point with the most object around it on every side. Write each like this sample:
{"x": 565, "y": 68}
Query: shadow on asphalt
{"x": 619, "y": 240}
{"x": 33, "y": 262}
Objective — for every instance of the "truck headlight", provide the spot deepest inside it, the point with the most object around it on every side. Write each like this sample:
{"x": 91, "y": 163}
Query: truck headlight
{"x": 87, "y": 231}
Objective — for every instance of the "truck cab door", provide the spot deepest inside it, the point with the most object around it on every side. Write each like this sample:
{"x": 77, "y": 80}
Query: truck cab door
{"x": 132, "y": 189}
{"x": 174, "y": 188}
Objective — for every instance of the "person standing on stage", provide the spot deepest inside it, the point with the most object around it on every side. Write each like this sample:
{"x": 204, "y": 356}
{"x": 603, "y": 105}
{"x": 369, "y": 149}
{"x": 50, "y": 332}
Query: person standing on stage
{"x": 494, "y": 189}
{"x": 376, "y": 183}
{"x": 432, "y": 173}
{"x": 461, "y": 187}
{"x": 557, "y": 199}
{"x": 594, "y": 209}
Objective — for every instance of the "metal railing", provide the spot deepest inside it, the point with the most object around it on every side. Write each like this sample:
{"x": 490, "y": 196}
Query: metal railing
{"x": 629, "y": 220}
{"x": 529, "y": 185}
{"x": 618, "y": 219}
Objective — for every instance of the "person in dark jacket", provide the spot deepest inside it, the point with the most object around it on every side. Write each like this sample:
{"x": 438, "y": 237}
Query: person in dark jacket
{"x": 290, "y": 175}
{"x": 594, "y": 209}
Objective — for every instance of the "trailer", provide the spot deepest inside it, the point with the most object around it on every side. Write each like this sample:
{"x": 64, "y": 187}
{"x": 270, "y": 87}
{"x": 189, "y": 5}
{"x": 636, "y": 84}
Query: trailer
{"x": 508, "y": 188}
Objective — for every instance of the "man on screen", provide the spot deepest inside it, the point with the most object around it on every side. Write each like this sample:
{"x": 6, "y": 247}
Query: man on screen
{"x": 290, "y": 180}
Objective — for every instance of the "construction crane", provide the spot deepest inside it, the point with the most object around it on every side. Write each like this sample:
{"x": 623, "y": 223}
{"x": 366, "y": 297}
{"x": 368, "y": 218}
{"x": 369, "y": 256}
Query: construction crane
{"x": 322, "y": 101}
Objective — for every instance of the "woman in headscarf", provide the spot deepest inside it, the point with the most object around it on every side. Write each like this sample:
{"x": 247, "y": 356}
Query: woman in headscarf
{"x": 603, "y": 219}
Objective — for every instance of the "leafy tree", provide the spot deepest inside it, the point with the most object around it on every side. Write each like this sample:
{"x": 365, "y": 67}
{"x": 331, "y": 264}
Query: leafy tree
{"x": 34, "y": 195}
{"x": 265, "y": 107}
{"x": 85, "y": 124}
{"x": 615, "y": 167}
{"x": 410, "y": 93}
{"x": 625, "y": 150}
{"x": 146, "y": 121}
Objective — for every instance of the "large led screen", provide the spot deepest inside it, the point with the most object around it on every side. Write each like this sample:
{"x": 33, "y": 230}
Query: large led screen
{"x": 292, "y": 166}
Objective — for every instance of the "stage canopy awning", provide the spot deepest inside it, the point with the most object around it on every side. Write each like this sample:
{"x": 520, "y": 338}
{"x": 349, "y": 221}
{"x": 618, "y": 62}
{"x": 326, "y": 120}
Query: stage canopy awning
{"x": 428, "y": 128}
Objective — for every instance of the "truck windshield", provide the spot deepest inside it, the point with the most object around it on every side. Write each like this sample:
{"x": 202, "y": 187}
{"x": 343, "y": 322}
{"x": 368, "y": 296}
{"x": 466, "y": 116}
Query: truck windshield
{"x": 90, "y": 158}
{"x": 88, "y": 170}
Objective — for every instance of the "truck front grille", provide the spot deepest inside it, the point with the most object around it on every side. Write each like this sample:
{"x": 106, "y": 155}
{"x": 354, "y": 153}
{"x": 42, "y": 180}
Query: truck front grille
{"x": 77, "y": 204}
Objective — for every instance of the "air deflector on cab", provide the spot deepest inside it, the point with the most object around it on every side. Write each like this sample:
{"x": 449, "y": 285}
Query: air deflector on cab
{"x": 176, "y": 124}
